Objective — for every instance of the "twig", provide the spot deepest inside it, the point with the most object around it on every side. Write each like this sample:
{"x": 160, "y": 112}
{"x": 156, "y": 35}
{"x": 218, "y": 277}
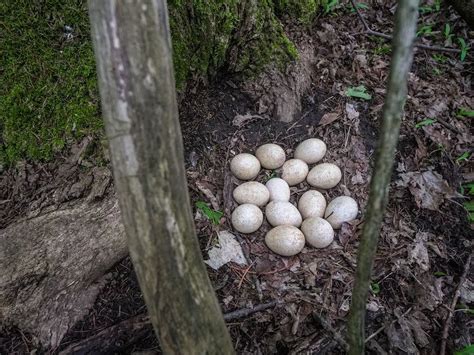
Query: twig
{"x": 370, "y": 32}
{"x": 378, "y": 331}
{"x": 447, "y": 323}
{"x": 327, "y": 327}
{"x": 448, "y": 125}
{"x": 244, "y": 312}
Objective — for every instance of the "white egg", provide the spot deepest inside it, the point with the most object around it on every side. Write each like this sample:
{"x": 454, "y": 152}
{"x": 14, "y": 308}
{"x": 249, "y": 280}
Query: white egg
{"x": 312, "y": 204}
{"x": 251, "y": 192}
{"x": 318, "y": 232}
{"x": 271, "y": 156}
{"x": 341, "y": 209}
{"x": 311, "y": 150}
{"x": 245, "y": 166}
{"x": 279, "y": 189}
{"x": 324, "y": 176}
{"x": 285, "y": 240}
{"x": 247, "y": 218}
{"x": 281, "y": 212}
{"x": 294, "y": 171}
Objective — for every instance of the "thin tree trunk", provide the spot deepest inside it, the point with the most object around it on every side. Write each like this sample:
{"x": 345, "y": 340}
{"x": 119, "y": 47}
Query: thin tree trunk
{"x": 402, "y": 43}
{"x": 133, "y": 51}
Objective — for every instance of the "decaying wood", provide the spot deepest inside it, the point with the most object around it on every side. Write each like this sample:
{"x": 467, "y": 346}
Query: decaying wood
{"x": 137, "y": 88}
{"x": 52, "y": 265}
{"x": 405, "y": 28}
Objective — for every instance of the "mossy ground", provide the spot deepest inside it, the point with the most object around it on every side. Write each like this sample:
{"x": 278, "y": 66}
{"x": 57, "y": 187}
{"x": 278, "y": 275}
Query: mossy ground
{"x": 48, "y": 85}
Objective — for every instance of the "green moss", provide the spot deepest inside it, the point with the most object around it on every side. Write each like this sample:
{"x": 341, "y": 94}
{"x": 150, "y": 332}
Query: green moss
{"x": 302, "y": 10}
{"x": 48, "y": 90}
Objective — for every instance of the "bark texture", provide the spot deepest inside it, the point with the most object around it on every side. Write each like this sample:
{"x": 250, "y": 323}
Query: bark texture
{"x": 405, "y": 28}
{"x": 133, "y": 50}
{"x": 52, "y": 266}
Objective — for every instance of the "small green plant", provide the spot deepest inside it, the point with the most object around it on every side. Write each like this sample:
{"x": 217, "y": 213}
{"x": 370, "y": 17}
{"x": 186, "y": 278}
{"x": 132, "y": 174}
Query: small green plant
{"x": 469, "y": 206}
{"x": 430, "y": 8}
{"x": 467, "y": 350}
{"x": 382, "y": 49}
{"x": 447, "y": 32}
{"x": 330, "y": 6}
{"x": 212, "y": 215}
{"x": 359, "y": 92}
{"x": 439, "y": 273}
{"x": 426, "y": 30}
{"x": 465, "y": 112}
{"x": 375, "y": 288}
{"x": 437, "y": 71}
{"x": 440, "y": 58}
{"x": 470, "y": 189}
{"x": 464, "y": 48}
{"x": 426, "y": 122}
{"x": 360, "y": 6}
{"x": 463, "y": 157}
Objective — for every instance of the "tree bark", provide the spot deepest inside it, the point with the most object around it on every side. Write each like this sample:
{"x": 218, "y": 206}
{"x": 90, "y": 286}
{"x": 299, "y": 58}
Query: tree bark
{"x": 133, "y": 51}
{"x": 405, "y": 28}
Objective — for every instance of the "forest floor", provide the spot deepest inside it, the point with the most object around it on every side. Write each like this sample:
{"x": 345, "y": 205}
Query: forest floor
{"x": 426, "y": 236}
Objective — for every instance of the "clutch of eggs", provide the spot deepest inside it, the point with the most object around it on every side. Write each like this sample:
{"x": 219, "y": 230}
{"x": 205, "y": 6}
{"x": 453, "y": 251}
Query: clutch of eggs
{"x": 313, "y": 221}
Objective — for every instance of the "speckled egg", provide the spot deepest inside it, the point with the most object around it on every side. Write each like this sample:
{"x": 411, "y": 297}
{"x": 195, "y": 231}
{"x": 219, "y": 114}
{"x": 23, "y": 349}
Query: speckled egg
{"x": 341, "y": 209}
{"x": 281, "y": 212}
{"x": 251, "y": 192}
{"x": 285, "y": 240}
{"x": 271, "y": 156}
{"x": 247, "y": 218}
{"x": 312, "y": 204}
{"x": 318, "y": 232}
{"x": 245, "y": 166}
{"x": 324, "y": 176}
{"x": 294, "y": 171}
{"x": 311, "y": 150}
{"x": 279, "y": 189}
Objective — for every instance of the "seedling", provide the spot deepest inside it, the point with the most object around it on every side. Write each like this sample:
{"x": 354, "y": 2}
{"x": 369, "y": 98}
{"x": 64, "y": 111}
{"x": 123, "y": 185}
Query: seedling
{"x": 382, "y": 49}
{"x": 425, "y": 30}
{"x": 212, "y": 215}
{"x": 468, "y": 350}
{"x": 437, "y": 71}
{"x": 426, "y": 122}
{"x": 329, "y": 7}
{"x": 463, "y": 157}
{"x": 447, "y": 32}
{"x": 375, "y": 288}
{"x": 469, "y": 187}
{"x": 359, "y": 92}
{"x": 465, "y": 112}
{"x": 440, "y": 58}
{"x": 464, "y": 48}
{"x": 469, "y": 206}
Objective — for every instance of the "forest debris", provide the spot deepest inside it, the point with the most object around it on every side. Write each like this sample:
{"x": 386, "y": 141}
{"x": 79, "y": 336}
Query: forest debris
{"x": 419, "y": 253}
{"x": 209, "y": 194}
{"x": 351, "y": 112}
{"x": 228, "y": 250}
{"x": 328, "y": 118}
{"x": 401, "y": 337}
{"x": 240, "y": 120}
{"x": 429, "y": 188}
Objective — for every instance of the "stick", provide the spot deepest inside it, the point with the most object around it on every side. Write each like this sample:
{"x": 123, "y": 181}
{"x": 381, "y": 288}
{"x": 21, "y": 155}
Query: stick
{"x": 327, "y": 327}
{"x": 378, "y": 331}
{"x": 244, "y": 312}
{"x": 370, "y": 32}
{"x": 447, "y": 323}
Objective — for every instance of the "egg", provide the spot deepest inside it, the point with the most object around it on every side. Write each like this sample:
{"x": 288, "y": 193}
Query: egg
{"x": 251, "y": 192}
{"x": 271, "y": 156}
{"x": 282, "y": 212}
{"x": 245, "y": 166}
{"x": 285, "y": 240}
{"x": 312, "y": 204}
{"x": 247, "y": 218}
{"x": 324, "y": 176}
{"x": 341, "y": 209}
{"x": 311, "y": 150}
{"x": 294, "y": 171}
{"x": 279, "y": 189}
{"x": 318, "y": 232}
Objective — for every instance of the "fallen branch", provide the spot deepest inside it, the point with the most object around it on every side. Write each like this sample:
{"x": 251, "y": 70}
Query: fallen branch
{"x": 447, "y": 323}
{"x": 245, "y": 312}
{"x": 370, "y": 32}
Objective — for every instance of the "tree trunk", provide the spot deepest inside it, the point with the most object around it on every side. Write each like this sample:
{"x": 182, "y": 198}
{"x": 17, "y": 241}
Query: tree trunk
{"x": 405, "y": 28}
{"x": 133, "y": 51}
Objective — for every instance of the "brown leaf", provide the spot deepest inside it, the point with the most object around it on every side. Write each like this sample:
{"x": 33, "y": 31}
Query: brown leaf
{"x": 328, "y": 118}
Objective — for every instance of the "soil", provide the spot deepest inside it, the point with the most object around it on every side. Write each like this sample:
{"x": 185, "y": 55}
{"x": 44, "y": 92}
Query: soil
{"x": 422, "y": 250}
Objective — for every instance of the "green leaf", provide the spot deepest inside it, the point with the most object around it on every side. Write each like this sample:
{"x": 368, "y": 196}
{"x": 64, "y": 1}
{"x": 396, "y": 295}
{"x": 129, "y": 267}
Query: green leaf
{"x": 463, "y": 157}
{"x": 213, "y": 215}
{"x": 439, "y": 273}
{"x": 330, "y": 6}
{"x": 426, "y": 122}
{"x": 470, "y": 187}
{"x": 465, "y": 112}
{"x": 468, "y": 350}
{"x": 359, "y": 92}
{"x": 469, "y": 206}
{"x": 424, "y": 30}
{"x": 447, "y": 30}
{"x": 375, "y": 288}
{"x": 464, "y": 48}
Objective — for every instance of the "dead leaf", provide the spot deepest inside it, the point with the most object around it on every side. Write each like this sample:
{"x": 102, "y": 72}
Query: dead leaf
{"x": 240, "y": 120}
{"x": 351, "y": 112}
{"x": 429, "y": 188}
{"x": 228, "y": 250}
{"x": 208, "y": 193}
{"x": 328, "y": 118}
{"x": 419, "y": 253}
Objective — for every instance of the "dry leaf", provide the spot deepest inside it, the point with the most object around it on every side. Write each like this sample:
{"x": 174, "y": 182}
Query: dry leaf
{"x": 328, "y": 118}
{"x": 228, "y": 250}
